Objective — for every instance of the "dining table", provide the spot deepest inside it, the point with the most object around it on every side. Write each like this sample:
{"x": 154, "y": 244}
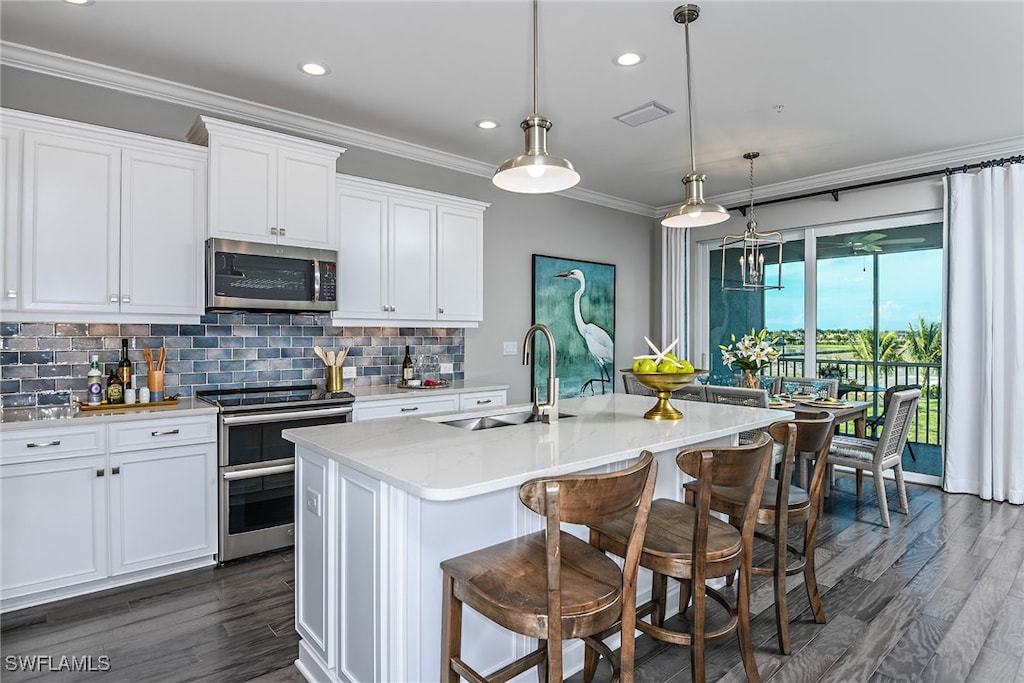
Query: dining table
{"x": 844, "y": 411}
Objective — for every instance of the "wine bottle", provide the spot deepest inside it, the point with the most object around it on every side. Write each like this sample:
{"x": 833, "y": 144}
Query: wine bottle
{"x": 115, "y": 388}
{"x": 407, "y": 372}
{"x": 124, "y": 366}
{"x": 94, "y": 383}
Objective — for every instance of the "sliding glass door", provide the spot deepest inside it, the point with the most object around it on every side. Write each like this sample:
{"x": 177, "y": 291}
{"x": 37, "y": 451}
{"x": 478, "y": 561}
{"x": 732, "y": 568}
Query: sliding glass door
{"x": 861, "y": 302}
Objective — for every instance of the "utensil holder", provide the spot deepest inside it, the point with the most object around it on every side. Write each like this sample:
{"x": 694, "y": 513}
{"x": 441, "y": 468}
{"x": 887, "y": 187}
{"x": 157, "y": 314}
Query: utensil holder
{"x": 155, "y": 382}
{"x": 335, "y": 381}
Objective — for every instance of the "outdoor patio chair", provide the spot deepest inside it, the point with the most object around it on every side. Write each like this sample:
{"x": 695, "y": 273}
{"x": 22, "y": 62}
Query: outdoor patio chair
{"x": 875, "y": 423}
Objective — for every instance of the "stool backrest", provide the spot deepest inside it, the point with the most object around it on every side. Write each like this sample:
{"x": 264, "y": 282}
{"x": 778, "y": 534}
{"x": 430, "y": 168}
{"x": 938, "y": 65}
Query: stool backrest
{"x": 813, "y": 434}
{"x": 737, "y": 396}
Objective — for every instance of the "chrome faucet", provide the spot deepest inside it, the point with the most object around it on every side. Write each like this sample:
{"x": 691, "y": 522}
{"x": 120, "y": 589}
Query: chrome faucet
{"x": 548, "y": 412}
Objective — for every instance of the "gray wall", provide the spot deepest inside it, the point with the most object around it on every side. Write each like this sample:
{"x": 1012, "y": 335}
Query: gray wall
{"x": 515, "y": 226}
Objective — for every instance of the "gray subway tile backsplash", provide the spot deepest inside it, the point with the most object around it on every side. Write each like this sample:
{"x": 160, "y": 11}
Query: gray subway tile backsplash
{"x": 46, "y": 363}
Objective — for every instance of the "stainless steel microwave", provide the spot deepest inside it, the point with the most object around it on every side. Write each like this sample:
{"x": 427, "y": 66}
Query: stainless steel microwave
{"x": 251, "y": 276}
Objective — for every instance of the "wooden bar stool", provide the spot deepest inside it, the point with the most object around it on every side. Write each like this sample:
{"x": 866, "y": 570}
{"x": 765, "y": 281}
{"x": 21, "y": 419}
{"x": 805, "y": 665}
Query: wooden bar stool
{"x": 551, "y": 585}
{"x": 782, "y": 504}
{"x": 686, "y": 543}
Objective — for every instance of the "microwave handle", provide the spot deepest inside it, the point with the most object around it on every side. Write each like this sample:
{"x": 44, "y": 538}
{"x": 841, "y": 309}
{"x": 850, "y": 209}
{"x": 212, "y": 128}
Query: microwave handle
{"x": 316, "y": 280}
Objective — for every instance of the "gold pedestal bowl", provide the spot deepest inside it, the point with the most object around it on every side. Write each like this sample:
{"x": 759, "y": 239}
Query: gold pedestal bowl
{"x": 663, "y": 384}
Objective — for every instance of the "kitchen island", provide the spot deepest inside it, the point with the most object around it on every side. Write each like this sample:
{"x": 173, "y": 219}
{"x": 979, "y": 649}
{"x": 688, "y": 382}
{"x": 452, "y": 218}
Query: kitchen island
{"x": 381, "y": 503}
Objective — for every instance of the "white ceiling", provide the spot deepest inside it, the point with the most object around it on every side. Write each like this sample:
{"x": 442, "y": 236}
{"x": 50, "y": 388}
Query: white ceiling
{"x": 818, "y": 88}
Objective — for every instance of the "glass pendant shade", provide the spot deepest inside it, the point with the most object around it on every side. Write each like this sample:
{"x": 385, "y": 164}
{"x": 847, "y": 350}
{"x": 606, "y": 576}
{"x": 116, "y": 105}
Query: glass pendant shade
{"x": 536, "y": 171}
{"x": 695, "y": 212}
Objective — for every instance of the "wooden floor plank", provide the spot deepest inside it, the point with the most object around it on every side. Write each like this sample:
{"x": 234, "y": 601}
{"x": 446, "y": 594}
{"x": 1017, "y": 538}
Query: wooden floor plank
{"x": 909, "y": 658}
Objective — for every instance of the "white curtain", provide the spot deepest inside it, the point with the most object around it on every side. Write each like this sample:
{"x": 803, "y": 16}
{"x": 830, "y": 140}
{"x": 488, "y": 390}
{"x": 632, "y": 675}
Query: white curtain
{"x": 984, "y": 334}
{"x": 675, "y": 293}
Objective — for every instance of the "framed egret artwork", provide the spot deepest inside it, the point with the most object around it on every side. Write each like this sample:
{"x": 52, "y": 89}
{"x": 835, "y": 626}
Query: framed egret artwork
{"x": 576, "y": 300}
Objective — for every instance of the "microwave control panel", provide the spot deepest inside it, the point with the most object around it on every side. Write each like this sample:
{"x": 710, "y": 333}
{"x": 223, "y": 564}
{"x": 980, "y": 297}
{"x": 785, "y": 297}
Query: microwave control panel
{"x": 328, "y": 281}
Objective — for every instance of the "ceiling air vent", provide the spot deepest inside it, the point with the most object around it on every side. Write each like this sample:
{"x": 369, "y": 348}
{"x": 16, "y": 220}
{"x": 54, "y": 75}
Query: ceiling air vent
{"x": 645, "y": 113}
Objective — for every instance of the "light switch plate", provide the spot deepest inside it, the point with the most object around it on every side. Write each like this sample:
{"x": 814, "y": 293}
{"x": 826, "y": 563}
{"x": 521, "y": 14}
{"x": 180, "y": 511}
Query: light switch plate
{"x": 348, "y": 372}
{"x": 313, "y": 501}
{"x": 509, "y": 348}
{"x": 447, "y": 368}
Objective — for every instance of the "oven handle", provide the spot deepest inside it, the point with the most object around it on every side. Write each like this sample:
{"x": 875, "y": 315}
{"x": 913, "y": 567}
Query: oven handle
{"x": 258, "y": 472}
{"x": 260, "y": 418}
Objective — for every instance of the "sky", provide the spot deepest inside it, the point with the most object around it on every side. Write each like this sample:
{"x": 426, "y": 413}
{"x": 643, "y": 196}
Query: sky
{"x": 910, "y": 285}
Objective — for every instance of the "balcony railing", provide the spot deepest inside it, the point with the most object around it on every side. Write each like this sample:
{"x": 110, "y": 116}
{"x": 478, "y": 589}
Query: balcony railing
{"x": 927, "y": 426}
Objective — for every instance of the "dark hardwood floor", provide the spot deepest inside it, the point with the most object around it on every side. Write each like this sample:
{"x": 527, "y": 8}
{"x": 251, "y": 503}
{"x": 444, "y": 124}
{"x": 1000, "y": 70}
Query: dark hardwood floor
{"x": 937, "y": 597}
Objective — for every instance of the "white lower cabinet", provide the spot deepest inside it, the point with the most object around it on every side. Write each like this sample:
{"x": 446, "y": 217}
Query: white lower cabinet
{"x": 395, "y": 407}
{"x": 481, "y": 399}
{"x": 86, "y": 508}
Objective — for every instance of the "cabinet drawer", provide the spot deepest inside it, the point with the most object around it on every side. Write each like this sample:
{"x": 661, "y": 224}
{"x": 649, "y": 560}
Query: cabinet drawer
{"x": 393, "y": 408}
{"x": 47, "y": 443}
{"x": 481, "y": 399}
{"x": 160, "y": 433}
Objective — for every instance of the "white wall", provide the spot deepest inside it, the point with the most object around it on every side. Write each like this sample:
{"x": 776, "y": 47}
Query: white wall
{"x": 515, "y": 226}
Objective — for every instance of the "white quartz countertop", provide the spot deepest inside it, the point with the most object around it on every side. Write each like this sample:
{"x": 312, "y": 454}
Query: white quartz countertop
{"x": 58, "y": 416}
{"x": 380, "y": 393}
{"x": 437, "y": 462}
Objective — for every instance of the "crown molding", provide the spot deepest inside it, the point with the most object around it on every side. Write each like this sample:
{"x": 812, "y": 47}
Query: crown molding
{"x": 91, "y": 73}
{"x": 921, "y": 163}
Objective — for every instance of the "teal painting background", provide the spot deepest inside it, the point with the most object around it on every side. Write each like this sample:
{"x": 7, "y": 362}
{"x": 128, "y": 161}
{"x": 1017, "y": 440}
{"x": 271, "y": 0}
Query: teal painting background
{"x": 553, "y": 306}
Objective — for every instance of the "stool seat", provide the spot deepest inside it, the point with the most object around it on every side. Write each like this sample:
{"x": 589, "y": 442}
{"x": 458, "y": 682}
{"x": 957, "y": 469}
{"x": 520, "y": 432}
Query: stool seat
{"x": 507, "y": 583}
{"x": 731, "y": 500}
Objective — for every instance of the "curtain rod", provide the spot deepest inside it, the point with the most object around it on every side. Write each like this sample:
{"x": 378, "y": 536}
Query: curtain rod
{"x": 916, "y": 176}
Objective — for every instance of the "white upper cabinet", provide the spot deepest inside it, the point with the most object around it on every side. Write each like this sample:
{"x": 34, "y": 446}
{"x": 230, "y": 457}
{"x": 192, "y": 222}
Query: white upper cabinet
{"x": 105, "y": 222}
{"x": 10, "y": 214}
{"x": 408, "y": 256}
{"x": 268, "y": 187}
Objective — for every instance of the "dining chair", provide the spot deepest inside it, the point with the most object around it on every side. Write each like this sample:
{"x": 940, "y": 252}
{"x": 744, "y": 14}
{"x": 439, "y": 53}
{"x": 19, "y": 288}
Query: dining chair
{"x": 552, "y": 585}
{"x": 782, "y": 505}
{"x": 633, "y": 386}
{"x": 739, "y": 396}
{"x": 876, "y": 421}
{"x": 875, "y": 457}
{"x": 691, "y": 392}
{"x": 806, "y": 385}
{"x": 685, "y": 542}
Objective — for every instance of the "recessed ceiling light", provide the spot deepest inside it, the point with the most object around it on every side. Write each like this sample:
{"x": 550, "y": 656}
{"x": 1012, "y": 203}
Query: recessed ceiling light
{"x": 314, "y": 69}
{"x": 487, "y": 124}
{"x": 629, "y": 59}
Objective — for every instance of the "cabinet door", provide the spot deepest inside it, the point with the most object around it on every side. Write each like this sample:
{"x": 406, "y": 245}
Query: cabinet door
{"x": 413, "y": 247}
{"x": 372, "y": 410}
{"x": 362, "y": 253}
{"x": 163, "y": 506}
{"x": 460, "y": 270}
{"x": 305, "y": 199}
{"x": 71, "y": 225}
{"x": 53, "y": 524}
{"x": 481, "y": 399}
{"x": 162, "y": 213}
{"x": 10, "y": 201}
{"x": 243, "y": 191}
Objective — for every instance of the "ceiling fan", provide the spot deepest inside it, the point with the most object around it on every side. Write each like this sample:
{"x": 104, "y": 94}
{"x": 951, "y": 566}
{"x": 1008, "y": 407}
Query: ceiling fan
{"x": 872, "y": 243}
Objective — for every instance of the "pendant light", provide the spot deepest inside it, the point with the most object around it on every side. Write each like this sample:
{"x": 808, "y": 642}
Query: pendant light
{"x": 536, "y": 171}
{"x": 694, "y": 212}
{"x": 751, "y": 247}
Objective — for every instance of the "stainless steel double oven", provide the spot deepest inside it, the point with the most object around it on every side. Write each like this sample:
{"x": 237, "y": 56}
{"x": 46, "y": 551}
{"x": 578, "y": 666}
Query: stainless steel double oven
{"x": 256, "y": 474}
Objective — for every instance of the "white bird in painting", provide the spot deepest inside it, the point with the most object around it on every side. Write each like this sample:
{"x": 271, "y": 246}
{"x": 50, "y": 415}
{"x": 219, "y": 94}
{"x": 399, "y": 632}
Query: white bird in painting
{"x": 599, "y": 343}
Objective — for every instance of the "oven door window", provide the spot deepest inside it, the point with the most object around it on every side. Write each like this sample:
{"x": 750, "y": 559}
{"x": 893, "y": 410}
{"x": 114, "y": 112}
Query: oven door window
{"x": 260, "y": 502}
{"x": 252, "y": 443}
{"x": 268, "y": 278}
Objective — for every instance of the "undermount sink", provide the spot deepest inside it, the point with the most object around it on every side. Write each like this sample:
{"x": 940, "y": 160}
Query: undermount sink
{"x": 492, "y": 421}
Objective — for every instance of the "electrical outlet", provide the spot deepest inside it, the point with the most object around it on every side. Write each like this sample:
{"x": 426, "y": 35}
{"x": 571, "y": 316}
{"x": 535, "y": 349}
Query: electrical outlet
{"x": 509, "y": 348}
{"x": 447, "y": 368}
{"x": 313, "y": 502}
{"x": 348, "y": 372}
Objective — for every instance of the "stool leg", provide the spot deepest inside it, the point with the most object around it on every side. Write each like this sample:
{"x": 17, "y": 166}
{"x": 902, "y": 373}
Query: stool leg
{"x": 590, "y": 659}
{"x": 743, "y": 622}
{"x": 810, "y": 579}
{"x": 779, "y": 579}
{"x": 699, "y": 616}
{"x": 684, "y": 597}
{"x": 451, "y": 630}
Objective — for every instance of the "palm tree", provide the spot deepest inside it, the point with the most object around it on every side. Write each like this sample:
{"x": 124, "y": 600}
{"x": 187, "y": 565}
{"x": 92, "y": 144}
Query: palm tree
{"x": 888, "y": 346}
{"x": 924, "y": 343}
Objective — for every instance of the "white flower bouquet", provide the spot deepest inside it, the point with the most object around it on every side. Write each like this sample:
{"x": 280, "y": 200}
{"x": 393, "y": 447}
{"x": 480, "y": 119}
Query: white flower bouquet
{"x": 752, "y": 352}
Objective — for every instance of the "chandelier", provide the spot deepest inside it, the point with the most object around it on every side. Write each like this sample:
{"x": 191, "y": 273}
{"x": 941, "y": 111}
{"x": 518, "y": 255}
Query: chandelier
{"x": 750, "y": 248}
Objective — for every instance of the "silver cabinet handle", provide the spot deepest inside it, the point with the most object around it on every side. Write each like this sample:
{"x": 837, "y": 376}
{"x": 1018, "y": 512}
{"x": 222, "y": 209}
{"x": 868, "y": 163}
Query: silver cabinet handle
{"x": 115, "y": 470}
{"x": 12, "y": 294}
{"x": 257, "y": 472}
{"x": 281, "y": 231}
{"x": 126, "y": 299}
{"x": 409, "y": 410}
{"x": 113, "y": 298}
{"x": 273, "y": 231}
{"x": 482, "y": 402}
{"x": 440, "y": 310}
{"x": 37, "y": 444}
{"x": 166, "y": 432}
